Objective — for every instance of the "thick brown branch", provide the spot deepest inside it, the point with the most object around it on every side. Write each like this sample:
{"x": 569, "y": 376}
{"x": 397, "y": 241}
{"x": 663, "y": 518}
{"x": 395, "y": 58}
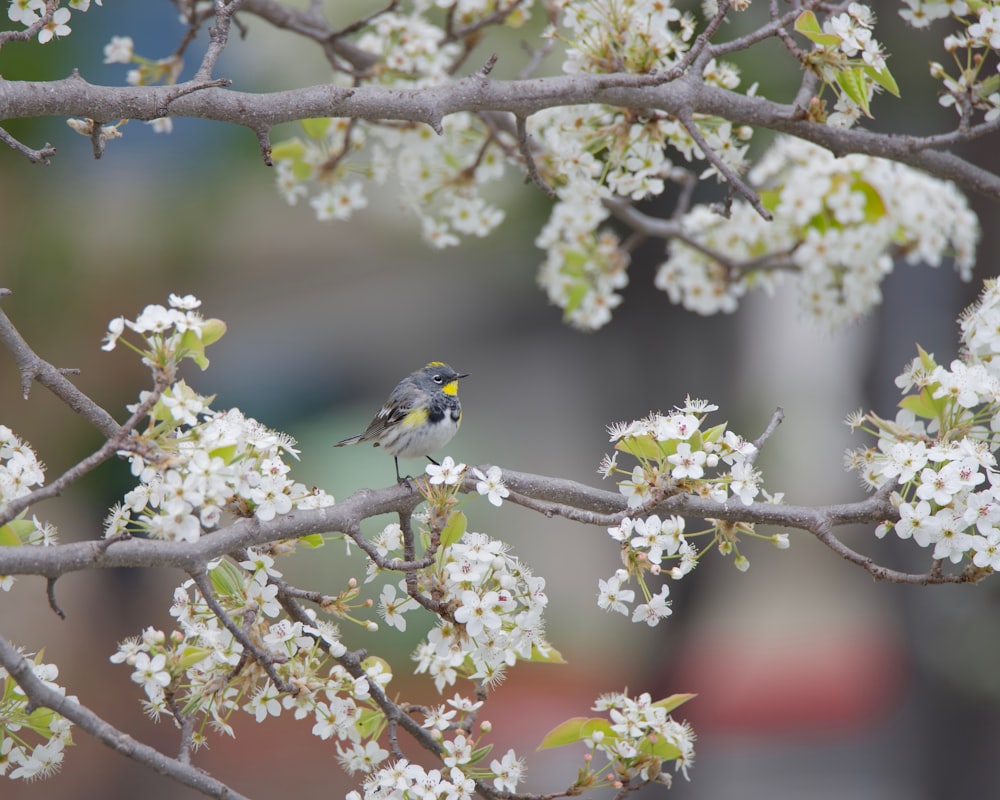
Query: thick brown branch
{"x": 687, "y": 95}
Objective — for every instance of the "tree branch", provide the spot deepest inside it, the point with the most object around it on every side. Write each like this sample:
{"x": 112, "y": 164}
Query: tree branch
{"x": 218, "y": 37}
{"x": 118, "y": 442}
{"x": 31, "y": 367}
{"x": 264, "y": 659}
{"x": 75, "y": 97}
{"x": 41, "y": 695}
{"x": 550, "y": 496}
{"x": 42, "y": 156}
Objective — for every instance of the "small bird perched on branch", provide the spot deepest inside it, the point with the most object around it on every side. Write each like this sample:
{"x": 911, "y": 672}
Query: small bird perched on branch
{"x": 422, "y": 415}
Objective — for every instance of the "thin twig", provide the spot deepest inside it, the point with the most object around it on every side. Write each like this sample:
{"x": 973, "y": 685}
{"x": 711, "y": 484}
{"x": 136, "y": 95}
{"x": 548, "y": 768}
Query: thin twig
{"x": 33, "y": 368}
{"x": 265, "y": 659}
{"x": 118, "y": 442}
{"x": 50, "y": 593}
{"x": 699, "y": 53}
{"x": 218, "y": 37}
{"x": 185, "y": 722}
{"x": 42, "y": 156}
{"x": 723, "y": 168}
{"x": 524, "y": 147}
{"x": 776, "y": 419}
{"x": 352, "y": 663}
{"x": 32, "y": 30}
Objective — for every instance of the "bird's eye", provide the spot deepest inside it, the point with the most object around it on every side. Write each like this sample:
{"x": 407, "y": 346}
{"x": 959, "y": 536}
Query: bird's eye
{"x": 438, "y": 379}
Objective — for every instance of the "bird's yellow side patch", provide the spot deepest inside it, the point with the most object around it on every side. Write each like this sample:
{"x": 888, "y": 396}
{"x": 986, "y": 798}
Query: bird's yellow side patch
{"x": 416, "y": 417}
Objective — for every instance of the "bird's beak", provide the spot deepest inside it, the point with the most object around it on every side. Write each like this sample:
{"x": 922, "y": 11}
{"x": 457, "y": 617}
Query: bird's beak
{"x": 463, "y": 375}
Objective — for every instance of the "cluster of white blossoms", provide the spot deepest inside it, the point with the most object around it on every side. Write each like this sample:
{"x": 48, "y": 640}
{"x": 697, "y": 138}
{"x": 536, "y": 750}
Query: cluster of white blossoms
{"x": 169, "y": 333}
{"x": 462, "y": 756}
{"x": 492, "y": 604}
{"x": 853, "y": 29}
{"x": 638, "y": 738}
{"x": 205, "y": 464}
{"x": 195, "y": 463}
{"x": 838, "y": 225}
{"x": 592, "y": 153}
{"x": 639, "y": 727}
{"x": 496, "y": 617}
{"x": 939, "y": 453}
{"x": 20, "y": 468}
{"x": 848, "y": 59}
{"x": 20, "y": 473}
{"x": 402, "y": 780}
{"x": 971, "y": 83}
{"x": 21, "y": 720}
{"x": 202, "y": 668}
{"x": 676, "y": 454}
{"x": 490, "y": 615}
{"x": 439, "y": 178}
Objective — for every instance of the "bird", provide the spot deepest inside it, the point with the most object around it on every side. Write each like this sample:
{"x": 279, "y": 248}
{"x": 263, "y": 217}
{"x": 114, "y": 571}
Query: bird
{"x": 421, "y": 415}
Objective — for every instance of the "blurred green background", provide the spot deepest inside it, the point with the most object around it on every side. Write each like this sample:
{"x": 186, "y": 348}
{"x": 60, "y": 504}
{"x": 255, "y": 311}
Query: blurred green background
{"x": 813, "y": 681}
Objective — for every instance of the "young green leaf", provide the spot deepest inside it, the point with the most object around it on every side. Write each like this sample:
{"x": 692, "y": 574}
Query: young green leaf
{"x": 855, "y": 86}
{"x": 808, "y": 25}
{"x": 668, "y": 704}
{"x": 316, "y": 127}
{"x": 454, "y": 529}
{"x": 574, "y": 730}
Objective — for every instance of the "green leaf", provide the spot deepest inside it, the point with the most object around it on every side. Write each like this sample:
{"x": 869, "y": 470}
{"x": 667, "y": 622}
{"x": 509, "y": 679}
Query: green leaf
{"x": 480, "y": 753}
{"x": 855, "y": 86}
{"x": 289, "y": 150}
{"x": 192, "y": 655}
{"x": 553, "y": 656}
{"x": 227, "y": 579}
{"x": 808, "y": 25}
{"x": 212, "y": 330}
{"x": 192, "y": 347}
{"x": 315, "y": 127}
{"x": 454, "y": 529}
{"x": 7, "y": 536}
{"x": 372, "y": 660}
{"x": 875, "y": 208}
{"x": 226, "y": 453}
{"x": 923, "y": 404}
{"x": 668, "y": 704}
{"x": 370, "y": 723}
{"x": 662, "y": 749}
{"x": 40, "y": 719}
{"x": 574, "y": 262}
{"x": 574, "y": 730}
{"x": 988, "y": 86}
{"x": 575, "y": 293}
{"x": 770, "y": 198}
{"x": 313, "y": 540}
{"x": 926, "y": 359}
{"x": 645, "y": 448}
{"x": 715, "y": 433}
{"x": 16, "y": 532}
{"x": 696, "y": 441}
{"x": 884, "y": 79}
{"x": 193, "y": 343}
